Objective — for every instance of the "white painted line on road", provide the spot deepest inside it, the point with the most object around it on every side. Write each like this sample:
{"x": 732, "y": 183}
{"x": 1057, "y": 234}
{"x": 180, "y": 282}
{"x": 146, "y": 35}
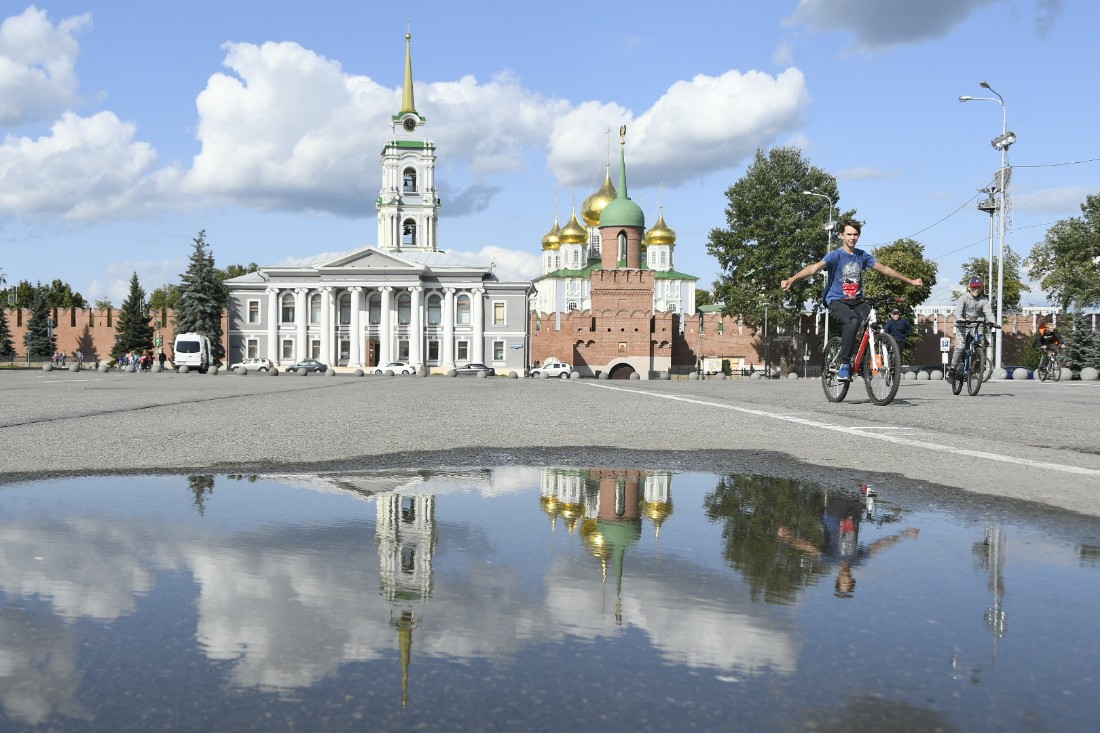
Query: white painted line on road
{"x": 863, "y": 433}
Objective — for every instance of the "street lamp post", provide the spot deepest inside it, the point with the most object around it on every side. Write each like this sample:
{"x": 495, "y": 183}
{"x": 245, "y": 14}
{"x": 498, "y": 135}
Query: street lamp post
{"x": 1001, "y": 143}
{"x": 828, "y": 248}
{"x": 767, "y": 352}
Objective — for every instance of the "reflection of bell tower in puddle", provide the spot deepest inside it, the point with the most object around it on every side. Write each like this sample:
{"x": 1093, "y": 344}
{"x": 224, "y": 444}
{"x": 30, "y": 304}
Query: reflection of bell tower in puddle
{"x": 405, "y": 533}
{"x": 613, "y": 502}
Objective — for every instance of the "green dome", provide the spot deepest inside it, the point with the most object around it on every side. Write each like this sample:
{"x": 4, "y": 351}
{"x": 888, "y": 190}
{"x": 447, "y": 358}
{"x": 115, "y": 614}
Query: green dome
{"x": 622, "y": 212}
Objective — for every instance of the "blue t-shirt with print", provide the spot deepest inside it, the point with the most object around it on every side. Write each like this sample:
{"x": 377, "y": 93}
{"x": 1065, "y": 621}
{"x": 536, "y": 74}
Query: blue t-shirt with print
{"x": 846, "y": 274}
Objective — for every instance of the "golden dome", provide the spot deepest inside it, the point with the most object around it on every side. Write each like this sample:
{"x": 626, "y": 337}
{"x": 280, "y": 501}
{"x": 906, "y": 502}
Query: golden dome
{"x": 573, "y": 232}
{"x": 595, "y": 204}
{"x": 659, "y": 233}
{"x": 552, "y": 240}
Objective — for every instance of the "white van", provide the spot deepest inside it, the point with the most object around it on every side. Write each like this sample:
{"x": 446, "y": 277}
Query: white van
{"x": 193, "y": 351}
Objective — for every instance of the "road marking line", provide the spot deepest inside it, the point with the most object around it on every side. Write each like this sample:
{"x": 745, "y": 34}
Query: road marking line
{"x": 863, "y": 433}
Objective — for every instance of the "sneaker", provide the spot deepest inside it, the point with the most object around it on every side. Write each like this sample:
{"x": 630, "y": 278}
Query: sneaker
{"x": 844, "y": 373}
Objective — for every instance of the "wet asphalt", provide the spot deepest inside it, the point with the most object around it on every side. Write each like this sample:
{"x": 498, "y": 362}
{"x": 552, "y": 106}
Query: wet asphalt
{"x": 1018, "y": 446}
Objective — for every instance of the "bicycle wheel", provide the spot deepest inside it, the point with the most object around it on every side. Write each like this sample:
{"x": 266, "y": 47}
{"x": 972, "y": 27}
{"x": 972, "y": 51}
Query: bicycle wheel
{"x": 974, "y": 375}
{"x": 957, "y": 378}
{"x": 1055, "y": 369}
{"x": 1041, "y": 372}
{"x": 987, "y": 363}
{"x": 882, "y": 370}
{"x": 835, "y": 390}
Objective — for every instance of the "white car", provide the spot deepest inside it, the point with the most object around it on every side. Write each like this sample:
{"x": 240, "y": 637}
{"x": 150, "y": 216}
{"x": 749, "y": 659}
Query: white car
{"x": 253, "y": 365}
{"x": 397, "y": 367}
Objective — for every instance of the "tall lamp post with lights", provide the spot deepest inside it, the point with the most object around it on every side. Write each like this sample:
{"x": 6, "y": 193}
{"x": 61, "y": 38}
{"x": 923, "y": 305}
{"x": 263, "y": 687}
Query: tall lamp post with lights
{"x": 1002, "y": 142}
{"x": 828, "y": 247}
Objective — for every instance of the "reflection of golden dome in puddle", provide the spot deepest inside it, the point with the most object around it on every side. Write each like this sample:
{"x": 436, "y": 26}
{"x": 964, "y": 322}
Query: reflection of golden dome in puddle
{"x": 572, "y": 514}
{"x": 657, "y": 511}
{"x": 597, "y": 202}
{"x": 549, "y": 505}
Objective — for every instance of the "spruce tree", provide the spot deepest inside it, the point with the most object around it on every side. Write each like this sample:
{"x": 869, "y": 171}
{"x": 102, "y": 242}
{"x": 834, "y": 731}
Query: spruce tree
{"x": 133, "y": 328}
{"x": 7, "y": 347}
{"x": 202, "y": 297}
{"x": 1083, "y": 343}
{"x": 41, "y": 344}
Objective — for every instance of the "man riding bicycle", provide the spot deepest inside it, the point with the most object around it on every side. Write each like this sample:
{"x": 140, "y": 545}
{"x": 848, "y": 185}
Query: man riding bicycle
{"x": 844, "y": 290}
{"x": 973, "y": 305}
{"x": 1049, "y": 338}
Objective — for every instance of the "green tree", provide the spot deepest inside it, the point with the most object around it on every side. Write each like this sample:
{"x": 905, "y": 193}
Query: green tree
{"x": 202, "y": 297}
{"x": 166, "y": 296}
{"x": 236, "y": 270}
{"x": 1014, "y": 286}
{"x": 39, "y": 338}
{"x": 1083, "y": 343}
{"x": 103, "y": 304}
{"x": 133, "y": 328}
{"x": 703, "y": 297}
{"x": 58, "y": 294}
{"x": 773, "y": 230}
{"x": 1067, "y": 262}
{"x": 7, "y": 346}
{"x": 907, "y": 257}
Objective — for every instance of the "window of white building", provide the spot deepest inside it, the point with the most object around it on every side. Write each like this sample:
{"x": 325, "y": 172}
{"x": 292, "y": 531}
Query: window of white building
{"x": 576, "y": 257}
{"x": 288, "y": 349}
{"x": 288, "y": 308}
{"x": 408, "y": 233}
{"x": 435, "y": 310}
{"x": 251, "y": 349}
{"x": 403, "y": 350}
{"x": 253, "y": 311}
{"x": 345, "y": 309}
{"x": 462, "y": 310}
{"x": 374, "y": 309}
{"x": 433, "y": 351}
{"x": 498, "y": 313}
{"x": 315, "y": 308}
{"x": 404, "y": 309}
{"x": 409, "y": 180}
{"x": 498, "y": 351}
{"x": 462, "y": 351}
{"x": 315, "y": 349}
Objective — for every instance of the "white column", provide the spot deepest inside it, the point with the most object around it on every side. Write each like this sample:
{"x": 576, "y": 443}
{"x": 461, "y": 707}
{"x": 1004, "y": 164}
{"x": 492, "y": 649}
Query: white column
{"x": 273, "y": 325}
{"x": 448, "y": 355}
{"x": 355, "y": 352}
{"x": 416, "y": 329}
{"x": 477, "y": 295}
{"x": 301, "y": 319}
{"x": 385, "y": 336}
{"x": 327, "y": 305}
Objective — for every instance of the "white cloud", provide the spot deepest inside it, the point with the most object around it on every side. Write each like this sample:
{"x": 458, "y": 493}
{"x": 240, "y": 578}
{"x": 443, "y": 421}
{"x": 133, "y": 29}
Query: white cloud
{"x": 697, "y": 127}
{"x": 864, "y": 173}
{"x": 37, "y": 60}
{"x": 881, "y": 24}
{"x": 86, "y": 168}
{"x": 1062, "y": 202}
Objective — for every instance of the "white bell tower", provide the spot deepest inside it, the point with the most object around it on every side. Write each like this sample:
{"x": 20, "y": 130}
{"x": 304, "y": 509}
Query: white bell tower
{"x": 408, "y": 203}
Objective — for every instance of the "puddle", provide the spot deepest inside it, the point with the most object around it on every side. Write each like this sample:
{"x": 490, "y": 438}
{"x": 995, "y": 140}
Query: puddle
{"x": 532, "y": 599}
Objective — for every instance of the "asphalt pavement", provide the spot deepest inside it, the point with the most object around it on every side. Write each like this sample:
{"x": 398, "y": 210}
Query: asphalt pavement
{"x": 1028, "y": 443}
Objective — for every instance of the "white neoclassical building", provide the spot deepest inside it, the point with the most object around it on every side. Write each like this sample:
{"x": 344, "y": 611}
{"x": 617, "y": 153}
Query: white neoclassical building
{"x": 403, "y": 299}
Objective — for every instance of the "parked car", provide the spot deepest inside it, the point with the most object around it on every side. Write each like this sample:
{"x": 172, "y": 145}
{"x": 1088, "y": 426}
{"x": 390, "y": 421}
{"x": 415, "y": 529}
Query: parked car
{"x": 552, "y": 368}
{"x": 471, "y": 370}
{"x": 310, "y": 365}
{"x": 397, "y": 367}
{"x": 254, "y": 364}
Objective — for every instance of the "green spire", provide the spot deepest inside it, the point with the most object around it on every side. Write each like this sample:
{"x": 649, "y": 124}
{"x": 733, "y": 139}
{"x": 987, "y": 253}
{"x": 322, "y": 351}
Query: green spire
{"x": 622, "y": 211}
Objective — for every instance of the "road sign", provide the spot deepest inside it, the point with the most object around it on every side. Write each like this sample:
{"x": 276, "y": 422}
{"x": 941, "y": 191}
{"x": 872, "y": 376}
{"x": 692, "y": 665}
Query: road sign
{"x": 945, "y": 344}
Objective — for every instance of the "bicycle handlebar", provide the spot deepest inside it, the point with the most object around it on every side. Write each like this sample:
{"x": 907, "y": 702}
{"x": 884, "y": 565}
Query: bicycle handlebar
{"x": 974, "y": 322}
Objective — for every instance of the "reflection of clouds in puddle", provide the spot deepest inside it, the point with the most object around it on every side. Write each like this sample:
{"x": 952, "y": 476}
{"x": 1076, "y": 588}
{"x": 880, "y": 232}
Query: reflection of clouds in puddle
{"x": 38, "y": 672}
{"x": 724, "y": 631}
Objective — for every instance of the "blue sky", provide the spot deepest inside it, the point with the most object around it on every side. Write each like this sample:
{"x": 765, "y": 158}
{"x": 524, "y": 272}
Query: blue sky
{"x": 129, "y": 126}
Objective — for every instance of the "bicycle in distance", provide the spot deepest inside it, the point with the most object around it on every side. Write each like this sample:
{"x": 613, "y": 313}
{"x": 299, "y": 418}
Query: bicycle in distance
{"x": 972, "y": 367}
{"x": 877, "y": 360}
{"x": 1050, "y": 366}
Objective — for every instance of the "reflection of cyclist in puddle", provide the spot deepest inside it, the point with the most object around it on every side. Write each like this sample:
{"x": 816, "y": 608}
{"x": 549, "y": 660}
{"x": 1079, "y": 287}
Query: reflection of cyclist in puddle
{"x": 840, "y": 524}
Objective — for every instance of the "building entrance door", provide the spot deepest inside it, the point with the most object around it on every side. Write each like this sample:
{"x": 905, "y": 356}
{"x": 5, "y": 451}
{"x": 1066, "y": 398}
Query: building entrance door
{"x": 372, "y": 352}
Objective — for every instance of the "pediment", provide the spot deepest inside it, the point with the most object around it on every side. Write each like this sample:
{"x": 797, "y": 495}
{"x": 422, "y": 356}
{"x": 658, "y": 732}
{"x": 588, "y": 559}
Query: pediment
{"x": 369, "y": 258}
